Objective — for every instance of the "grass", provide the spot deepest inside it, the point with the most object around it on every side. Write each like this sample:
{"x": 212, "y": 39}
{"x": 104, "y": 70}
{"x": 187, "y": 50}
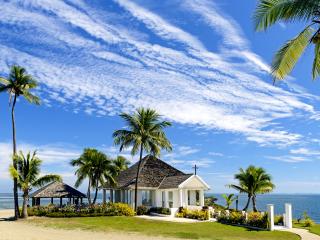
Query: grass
{"x": 314, "y": 229}
{"x": 205, "y": 230}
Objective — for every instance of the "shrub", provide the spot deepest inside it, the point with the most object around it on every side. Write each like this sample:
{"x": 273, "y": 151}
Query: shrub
{"x": 308, "y": 222}
{"x": 278, "y": 220}
{"x": 160, "y": 210}
{"x": 142, "y": 210}
{"x": 193, "y": 214}
{"x": 110, "y": 209}
{"x": 256, "y": 219}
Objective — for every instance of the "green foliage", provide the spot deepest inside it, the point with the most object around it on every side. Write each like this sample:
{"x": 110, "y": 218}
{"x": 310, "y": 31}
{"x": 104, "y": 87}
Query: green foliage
{"x": 193, "y": 214}
{"x": 308, "y": 223}
{"x": 278, "y": 220}
{"x": 253, "y": 181}
{"x": 229, "y": 199}
{"x": 255, "y": 219}
{"x": 160, "y": 210}
{"x": 269, "y": 12}
{"x": 142, "y": 210}
{"x": 109, "y": 209}
{"x": 210, "y": 201}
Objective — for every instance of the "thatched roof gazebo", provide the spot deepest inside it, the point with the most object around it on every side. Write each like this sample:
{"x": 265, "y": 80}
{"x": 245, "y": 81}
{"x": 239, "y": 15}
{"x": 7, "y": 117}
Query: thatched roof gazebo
{"x": 57, "y": 190}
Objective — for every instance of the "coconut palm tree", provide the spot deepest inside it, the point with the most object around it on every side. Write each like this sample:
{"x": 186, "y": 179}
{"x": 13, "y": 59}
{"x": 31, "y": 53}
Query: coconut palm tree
{"x": 229, "y": 200}
{"x": 94, "y": 166}
{"x": 18, "y": 83}
{"x": 120, "y": 164}
{"x": 144, "y": 133}
{"x": 27, "y": 175}
{"x": 253, "y": 181}
{"x": 269, "y": 12}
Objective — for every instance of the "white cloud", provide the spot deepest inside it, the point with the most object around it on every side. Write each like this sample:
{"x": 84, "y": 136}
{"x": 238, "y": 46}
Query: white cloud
{"x": 215, "y": 154}
{"x": 107, "y": 70}
{"x": 290, "y": 158}
{"x": 305, "y": 151}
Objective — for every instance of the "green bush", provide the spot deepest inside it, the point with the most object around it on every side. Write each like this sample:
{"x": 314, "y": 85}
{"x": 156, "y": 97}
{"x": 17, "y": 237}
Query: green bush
{"x": 193, "y": 214}
{"x": 160, "y": 210}
{"x": 278, "y": 220}
{"x": 142, "y": 210}
{"x": 308, "y": 222}
{"x": 110, "y": 209}
{"x": 255, "y": 219}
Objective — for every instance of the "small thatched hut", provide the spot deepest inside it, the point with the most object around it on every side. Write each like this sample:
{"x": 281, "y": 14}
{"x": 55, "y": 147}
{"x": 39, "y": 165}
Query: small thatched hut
{"x": 57, "y": 190}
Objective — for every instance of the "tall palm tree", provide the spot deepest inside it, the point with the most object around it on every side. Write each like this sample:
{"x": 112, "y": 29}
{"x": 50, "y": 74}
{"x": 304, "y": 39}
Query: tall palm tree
{"x": 120, "y": 164}
{"x": 144, "y": 133}
{"x": 253, "y": 181}
{"x": 269, "y": 12}
{"x": 27, "y": 175}
{"x": 229, "y": 200}
{"x": 18, "y": 83}
{"x": 94, "y": 166}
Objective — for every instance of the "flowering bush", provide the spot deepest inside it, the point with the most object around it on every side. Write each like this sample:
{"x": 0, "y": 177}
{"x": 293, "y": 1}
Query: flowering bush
{"x": 109, "y": 209}
{"x": 193, "y": 214}
{"x": 142, "y": 210}
{"x": 254, "y": 219}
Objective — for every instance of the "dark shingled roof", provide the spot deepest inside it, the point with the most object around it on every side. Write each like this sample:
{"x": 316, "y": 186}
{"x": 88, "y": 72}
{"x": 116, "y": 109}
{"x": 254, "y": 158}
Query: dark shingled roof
{"x": 57, "y": 190}
{"x": 173, "y": 181}
{"x": 152, "y": 173}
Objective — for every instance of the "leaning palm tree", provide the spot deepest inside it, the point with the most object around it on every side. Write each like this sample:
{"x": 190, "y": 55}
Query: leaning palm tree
{"x": 120, "y": 164}
{"x": 144, "y": 133}
{"x": 94, "y": 166}
{"x": 27, "y": 175}
{"x": 253, "y": 181}
{"x": 18, "y": 83}
{"x": 229, "y": 200}
{"x": 269, "y": 12}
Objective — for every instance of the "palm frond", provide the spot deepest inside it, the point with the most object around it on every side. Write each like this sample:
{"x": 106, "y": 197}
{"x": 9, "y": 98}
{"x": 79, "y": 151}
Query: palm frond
{"x": 31, "y": 98}
{"x": 316, "y": 61}
{"x": 46, "y": 179}
{"x": 286, "y": 58}
{"x": 268, "y": 12}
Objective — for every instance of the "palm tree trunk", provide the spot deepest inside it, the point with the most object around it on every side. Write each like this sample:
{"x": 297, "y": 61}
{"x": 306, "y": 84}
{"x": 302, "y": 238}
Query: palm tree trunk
{"x": 247, "y": 205}
{"x": 15, "y": 183}
{"x": 25, "y": 205}
{"x": 254, "y": 204}
{"x": 89, "y": 192}
{"x": 96, "y": 194}
{"x": 137, "y": 178}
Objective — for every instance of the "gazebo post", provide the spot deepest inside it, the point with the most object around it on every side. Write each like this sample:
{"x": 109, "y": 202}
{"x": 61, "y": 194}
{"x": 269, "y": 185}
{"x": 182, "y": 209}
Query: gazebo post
{"x": 33, "y": 202}
{"x": 51, "y": 200}
{"x": 81, "y": 201}
{"x": 60, "y": 201}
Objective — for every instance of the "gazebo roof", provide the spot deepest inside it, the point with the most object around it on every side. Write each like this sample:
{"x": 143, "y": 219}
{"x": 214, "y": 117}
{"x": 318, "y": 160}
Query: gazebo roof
{"x": 57, "y": 190}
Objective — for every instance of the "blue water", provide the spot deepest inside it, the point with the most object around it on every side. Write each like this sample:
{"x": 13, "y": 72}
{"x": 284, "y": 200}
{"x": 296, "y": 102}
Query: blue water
{"x": 309, "y": 203}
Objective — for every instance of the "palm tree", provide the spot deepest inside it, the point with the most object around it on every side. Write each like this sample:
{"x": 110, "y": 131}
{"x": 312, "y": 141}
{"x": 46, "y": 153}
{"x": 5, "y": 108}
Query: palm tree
{"x": 27, "y": 175}
{"x": 253, "y": 181}
{"x": 269, "y": 12}
{"x": 19, "y": 83}
{"x": 120, "y": 164}
{"x": 95, "y": 166}
{"x": 144, "y": 133}
{"x": 229, "y": 200}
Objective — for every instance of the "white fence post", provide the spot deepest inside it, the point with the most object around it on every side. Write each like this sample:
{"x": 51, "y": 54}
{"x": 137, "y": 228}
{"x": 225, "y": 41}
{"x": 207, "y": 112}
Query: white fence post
{"x": 271, "y": 216}
{"x": 288, "y": 215}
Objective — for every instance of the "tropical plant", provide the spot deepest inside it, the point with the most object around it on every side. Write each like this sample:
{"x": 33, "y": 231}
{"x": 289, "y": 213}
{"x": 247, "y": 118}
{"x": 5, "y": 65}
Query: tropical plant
{"x": 253, "y": 181}
{"x": 17, "y": 84}
{"x": 95, "y": 166}
{"x": 229, "y": 199}
{"x": 120, "y": 164}
{"x": 269, "y": 12}
{"x": 27, "y": 175}
{"x": 144, "y": 133}
{"x": 210, "y": 201}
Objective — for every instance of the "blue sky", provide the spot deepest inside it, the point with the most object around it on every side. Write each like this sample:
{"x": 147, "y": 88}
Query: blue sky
{"x": 199, "y": 63}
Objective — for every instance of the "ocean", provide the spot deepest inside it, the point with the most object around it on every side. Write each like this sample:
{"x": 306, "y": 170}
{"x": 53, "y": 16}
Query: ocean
{"x": 301, "y": 203}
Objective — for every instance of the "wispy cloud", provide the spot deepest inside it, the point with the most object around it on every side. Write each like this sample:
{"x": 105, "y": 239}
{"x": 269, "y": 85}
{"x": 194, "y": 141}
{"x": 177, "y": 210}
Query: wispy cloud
{"x": 100, "y": 67}
{"x": 290, "y": 158}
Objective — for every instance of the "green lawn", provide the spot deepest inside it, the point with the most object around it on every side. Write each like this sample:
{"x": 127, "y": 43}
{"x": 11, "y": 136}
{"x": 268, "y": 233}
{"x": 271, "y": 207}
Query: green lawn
{"x": 205, "y": 230}
{"x": 314, "y": 229}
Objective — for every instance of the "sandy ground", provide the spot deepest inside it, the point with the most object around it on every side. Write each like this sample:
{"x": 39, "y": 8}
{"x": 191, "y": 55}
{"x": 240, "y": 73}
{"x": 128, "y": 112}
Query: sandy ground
{"x": 10, "y": 230}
